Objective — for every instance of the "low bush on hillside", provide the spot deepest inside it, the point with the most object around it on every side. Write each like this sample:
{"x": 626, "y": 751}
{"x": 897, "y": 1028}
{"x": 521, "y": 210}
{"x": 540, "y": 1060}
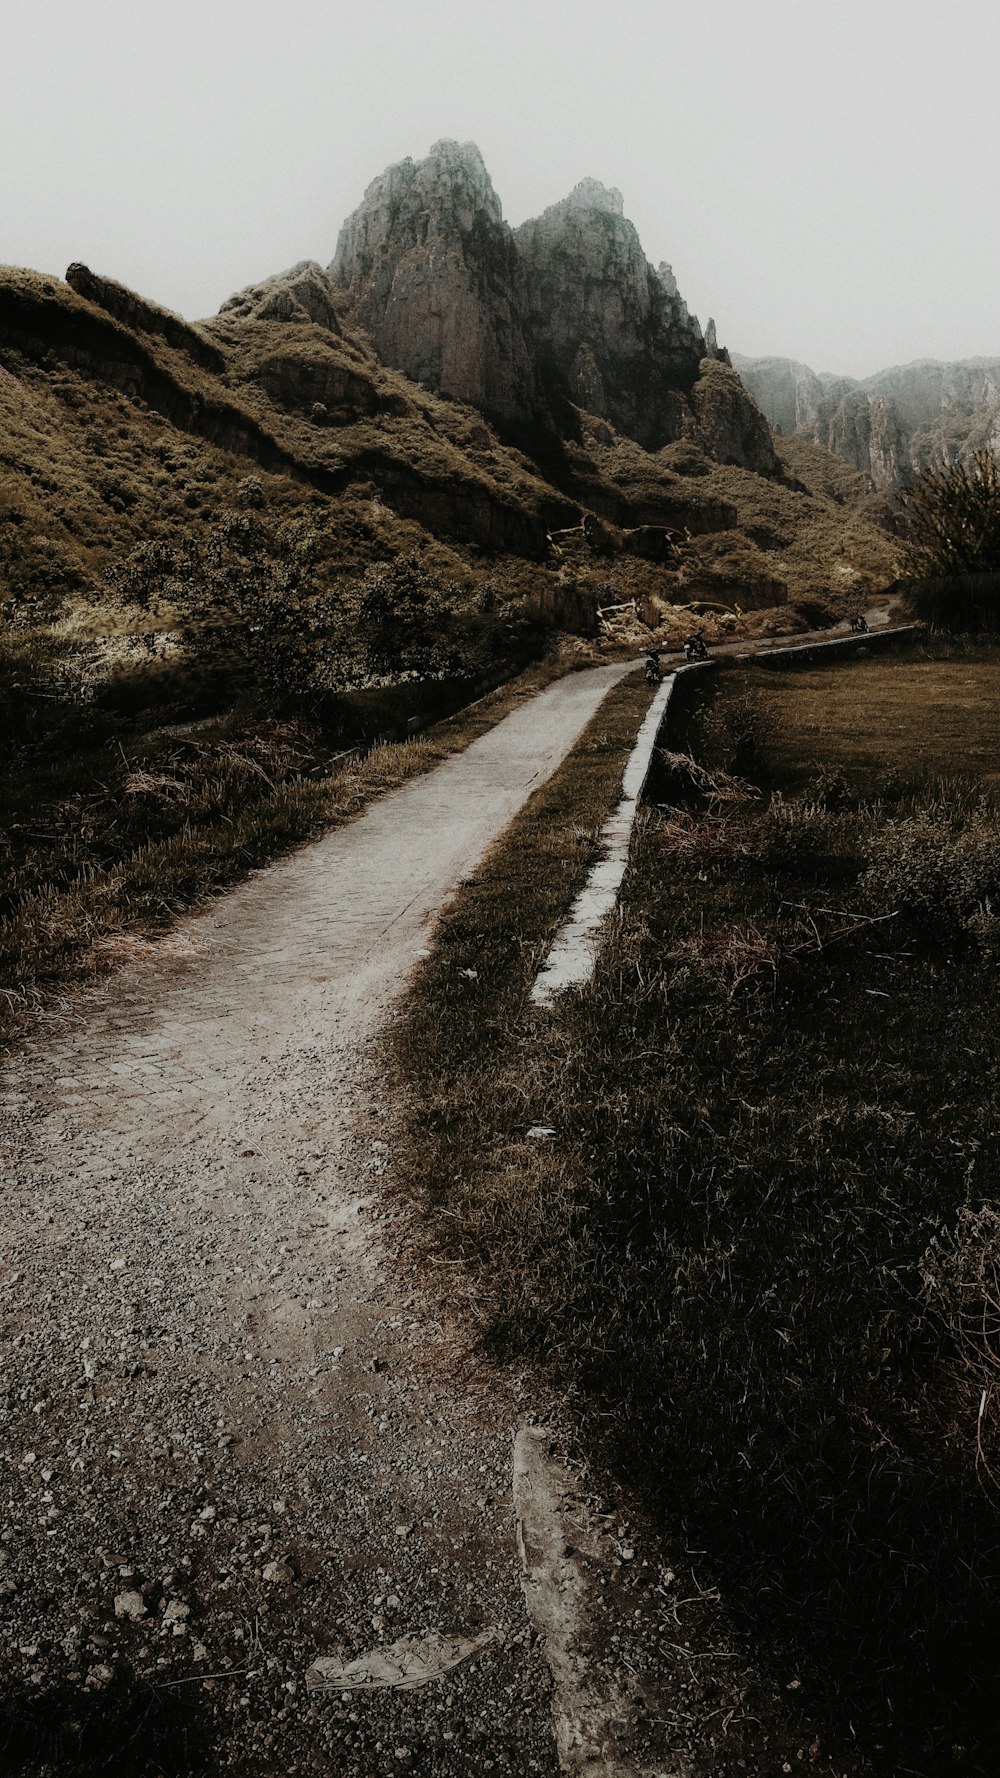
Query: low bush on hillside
{"x": 950, "y": 514}
{"x": 761, "y": 1243}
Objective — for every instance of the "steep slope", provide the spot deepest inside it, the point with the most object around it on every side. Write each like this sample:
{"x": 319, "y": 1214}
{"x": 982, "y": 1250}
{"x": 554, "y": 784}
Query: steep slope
{"x": 887, "y": 425}
{"x": 434, "y": 275}
{"x": 118, "y": 428}
{"x": 532, "y": 414}
{"x": 608, "y": 332}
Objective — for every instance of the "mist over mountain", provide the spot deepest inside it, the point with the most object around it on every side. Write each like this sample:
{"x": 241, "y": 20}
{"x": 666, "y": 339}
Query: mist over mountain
{"x": 888, "y": 425}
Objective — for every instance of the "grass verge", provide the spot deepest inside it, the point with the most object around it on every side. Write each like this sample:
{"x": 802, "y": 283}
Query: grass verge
{"x": 762, "y": 1244}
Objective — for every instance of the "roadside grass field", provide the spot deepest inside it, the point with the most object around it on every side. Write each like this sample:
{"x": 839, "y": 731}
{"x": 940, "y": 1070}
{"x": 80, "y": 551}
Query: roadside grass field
{"x": 762, "y": 1247}
{"x": 935, "y": 712}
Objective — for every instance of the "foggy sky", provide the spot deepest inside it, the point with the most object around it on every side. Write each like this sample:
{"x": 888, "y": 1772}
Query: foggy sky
{"x": 823, "y": 175}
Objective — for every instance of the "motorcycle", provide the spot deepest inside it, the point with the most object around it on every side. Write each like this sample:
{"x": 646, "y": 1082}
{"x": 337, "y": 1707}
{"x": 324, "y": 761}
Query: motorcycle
{"x": 652, "y": 671}
{"x": 859, "y": 624}
{"x": 694, "y": 649}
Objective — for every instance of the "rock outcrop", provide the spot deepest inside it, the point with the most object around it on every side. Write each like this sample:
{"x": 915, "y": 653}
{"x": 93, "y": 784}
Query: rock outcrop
{"x": 607, "y": 330}
{"x": 563, "y": 313}
{"x": 304, "y": 293}
{"x": 728, "y": 423}
{"x": 143, "y": 316}
{"x": 887, "y": 425}
{"x": 432, "y": 271}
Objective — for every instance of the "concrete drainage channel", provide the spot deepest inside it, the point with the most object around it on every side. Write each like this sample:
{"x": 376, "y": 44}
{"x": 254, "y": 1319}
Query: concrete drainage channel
{"x": 570, "y": 962}
{"x": 571, "y": 959}
{"x": 563, "y": 1580}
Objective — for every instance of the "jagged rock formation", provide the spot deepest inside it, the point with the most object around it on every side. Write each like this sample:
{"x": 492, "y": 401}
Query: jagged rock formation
{"x": 565, "y": 312}
{"x": 433, "y": 273}
{"x": 448, "y": 385}
{"x": 111, "y": 436}
{"x": 887, "y": 425}
{"x": 607, "y": 330}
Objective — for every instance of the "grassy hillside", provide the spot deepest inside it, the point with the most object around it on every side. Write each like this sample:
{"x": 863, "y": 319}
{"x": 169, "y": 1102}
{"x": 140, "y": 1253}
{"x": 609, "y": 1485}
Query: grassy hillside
{"x": 254, "y": 523}
{"x": 121, "y": 423}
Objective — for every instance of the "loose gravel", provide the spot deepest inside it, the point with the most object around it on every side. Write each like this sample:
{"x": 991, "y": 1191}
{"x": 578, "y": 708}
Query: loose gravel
{"x": 233, "y": 1439}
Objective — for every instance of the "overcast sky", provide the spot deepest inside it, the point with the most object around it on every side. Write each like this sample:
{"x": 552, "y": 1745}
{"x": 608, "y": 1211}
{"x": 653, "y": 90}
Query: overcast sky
{"x": 824, "y": 175}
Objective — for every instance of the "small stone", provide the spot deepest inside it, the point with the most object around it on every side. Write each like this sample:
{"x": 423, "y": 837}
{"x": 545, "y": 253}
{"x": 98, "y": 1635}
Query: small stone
{"x": 118, "y": 1265}
{"x": 176, "y": 1611}
{"x": 278, "y": 1573}
{"x": 97, "y": 1678}
{"x": 627, "y": 1553}
{"x": 403, "y": 1531}
{"x": 130, "y": 1605}
{"x": 541, "y": 1132}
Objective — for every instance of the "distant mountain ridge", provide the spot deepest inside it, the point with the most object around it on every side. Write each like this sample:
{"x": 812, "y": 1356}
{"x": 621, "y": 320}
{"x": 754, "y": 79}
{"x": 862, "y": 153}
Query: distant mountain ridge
{"x": 888, "y": 425}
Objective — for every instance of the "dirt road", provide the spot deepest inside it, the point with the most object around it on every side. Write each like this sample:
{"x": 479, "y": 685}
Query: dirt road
{"x": 230, "y": 1447}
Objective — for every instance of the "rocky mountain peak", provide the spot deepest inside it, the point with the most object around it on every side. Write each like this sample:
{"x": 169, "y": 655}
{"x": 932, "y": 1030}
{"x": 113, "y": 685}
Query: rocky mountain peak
{"x": 457, "y": 172}
{"x": 564, "y": 310}
{"x": 609, "y": 331}
{"x": 590, "y": 194}
{"x": 431, "y": 270}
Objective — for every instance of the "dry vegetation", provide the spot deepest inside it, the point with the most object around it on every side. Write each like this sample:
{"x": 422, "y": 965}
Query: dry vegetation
{"x": 193, "y": 527}
{"x": 761, "y": 1245}
{"x": 108, "y": 834}
{"x": 932, "y": 711}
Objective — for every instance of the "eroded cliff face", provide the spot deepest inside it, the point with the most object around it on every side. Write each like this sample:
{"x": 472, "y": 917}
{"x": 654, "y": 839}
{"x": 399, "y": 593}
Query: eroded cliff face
{"x": 608, "y": 331}
{"x": 789, "y": 393}
{"x": 888, "y": 425}
{"x": 865, "y": 430}
{"x": 565, "y": 312}
{"x": 432, "y": 271}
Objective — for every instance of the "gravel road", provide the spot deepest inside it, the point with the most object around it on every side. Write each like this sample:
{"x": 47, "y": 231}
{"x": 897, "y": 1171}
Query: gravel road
{"x": 232, "y": 1442}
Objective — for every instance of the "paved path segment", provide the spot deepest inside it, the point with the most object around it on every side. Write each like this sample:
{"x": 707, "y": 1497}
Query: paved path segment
{"x": 229, "y": 1446}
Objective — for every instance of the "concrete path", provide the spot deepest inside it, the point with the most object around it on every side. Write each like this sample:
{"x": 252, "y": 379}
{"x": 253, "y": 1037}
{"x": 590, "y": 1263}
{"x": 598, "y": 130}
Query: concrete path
{"x": 229, "y": 1446}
